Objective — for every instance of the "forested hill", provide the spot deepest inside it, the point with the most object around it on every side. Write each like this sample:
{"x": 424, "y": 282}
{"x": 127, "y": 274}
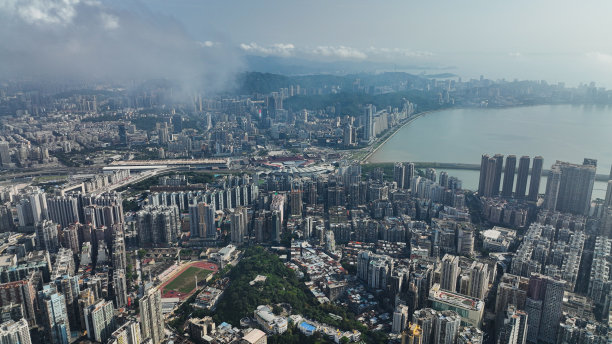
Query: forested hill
{"x": 256, "y": 82}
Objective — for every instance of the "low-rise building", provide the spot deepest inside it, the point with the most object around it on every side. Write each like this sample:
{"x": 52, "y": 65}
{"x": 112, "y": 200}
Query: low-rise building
{"x": 269, "y": 322}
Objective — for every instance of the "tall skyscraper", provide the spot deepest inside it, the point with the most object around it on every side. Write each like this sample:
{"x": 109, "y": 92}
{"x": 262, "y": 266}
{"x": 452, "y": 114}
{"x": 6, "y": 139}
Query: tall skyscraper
{"x": 569, "y": 187}
{"x": 63, "y": 210}
{"x": 151, "y": 317}
{"x": 521, "y": 177}
{"x": 408, "y": 175}
{"x": 479, "y": 280}
{"x": 47, "y": 237}
{"x": 399, "y": 173}
{"x": 608, "y": 200}
{"x": 449, "y": 273}
{"x": 446, "y": 327}
{"x": 490, "y": 175}
{"x": 499, "y": 162}
{"x": 100, "y": 321}
{"x": 513, "y": 329}
{"x": 509, "y": 176}
{"x": 543, "y": 307}
{"x": 157, "y": 225}
{"x": 123, "y": 138}
{"x": 120, "y": 288}
{"x": 443, "y": 179}
{"x": 484, "y": 163}
{"x": 128, "y": 333}
{"x": 413, "y": 335}
{"x": 425, "y": 318}
{"x": 400, "y": 319}
{"x": 599, "y": 278}
{"x": 69, "y": 287}
{"x": 54, "y": 315}
{"x": 238, "y": 225}
{"x": 536, "y": 175}
{"x": 5, "y": 155}
{"x": 21, "y": 292}
{"x": 15, "y": 332}
{"x": 295, "y": 202}
{"x": 347, "y": 137}
{"x": 511, "y": 290}
{"x": 368, "y": 127}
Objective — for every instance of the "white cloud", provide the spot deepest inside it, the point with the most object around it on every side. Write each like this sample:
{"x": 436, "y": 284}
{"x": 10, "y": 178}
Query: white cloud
{"x": 397, "y": 52}
{"x": 278, "y": 49}
{"x": 207, "y": 44}
{"x": 600, "y": 57}
{"x": 109, "y": 21}
{"x": 89, "y": 39}
{"x": 42, "y": 11}
{"x": 340, "y": 51}
{"x": 515, "y": 54}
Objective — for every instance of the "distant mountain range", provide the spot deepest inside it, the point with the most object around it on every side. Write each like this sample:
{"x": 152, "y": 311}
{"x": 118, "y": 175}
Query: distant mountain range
{"x": 297, "y": 66}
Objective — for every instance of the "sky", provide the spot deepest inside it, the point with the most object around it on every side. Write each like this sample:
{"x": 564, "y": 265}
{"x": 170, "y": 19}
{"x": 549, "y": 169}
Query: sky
{"x": 557, "y": 41}
{"x": 553, "y": 40}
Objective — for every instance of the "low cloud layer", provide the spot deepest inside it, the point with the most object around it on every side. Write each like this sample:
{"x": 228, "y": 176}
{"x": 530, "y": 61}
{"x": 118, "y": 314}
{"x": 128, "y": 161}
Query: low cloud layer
{"x": 85, "y": 39}
{"x": 334, "y": 52}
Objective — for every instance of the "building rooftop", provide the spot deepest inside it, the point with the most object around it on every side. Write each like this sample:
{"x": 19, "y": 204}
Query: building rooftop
{"x": 455, "y": 299}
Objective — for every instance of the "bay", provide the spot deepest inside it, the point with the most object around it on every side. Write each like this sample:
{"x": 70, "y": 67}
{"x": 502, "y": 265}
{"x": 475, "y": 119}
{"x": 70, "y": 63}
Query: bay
{"x": 555, "y": 132}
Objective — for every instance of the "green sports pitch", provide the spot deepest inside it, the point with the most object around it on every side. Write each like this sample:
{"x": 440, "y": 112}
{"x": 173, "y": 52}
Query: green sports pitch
{"x": 185, "y": 282}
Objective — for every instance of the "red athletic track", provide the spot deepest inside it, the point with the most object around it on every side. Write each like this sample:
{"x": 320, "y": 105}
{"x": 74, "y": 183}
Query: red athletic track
{"x": 172, "y": 293}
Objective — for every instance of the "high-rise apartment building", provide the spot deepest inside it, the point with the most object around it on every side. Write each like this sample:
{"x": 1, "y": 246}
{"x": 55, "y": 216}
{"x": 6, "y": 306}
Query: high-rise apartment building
{"x": 479, "y": 280}
{"x": 128, "y": 333}
{"x": 399, "y": 174}
{"x": 151, "y": 317}
{"x": 15, "y": 332}
{"x": 446, "y": 327}
{"x": 295, "y": 202}
{"x": 509, "y": 176}
{"x": 54, "y": 315}
{"x": 158, "y": 225}
{"x": 569, "y": 187}
{"x": 497, "y": 177}
{"x": 484, "y": 162}
{"x": 100, "y": 321}
{"x": 202, "y": 221}
{"x": 521, "y": 177}
{"x": 425, "y": 319}
{"x": 5, "y": 154}
{"x": 120, "y": 288}
{"x": 47, "y": 237}
{"x": 368, "y": 122}
{"x": 511, "y": 290}
{"x": 63, "y": 210}
{"x": 21, "y": 292}
{"x": 400, "y": 318}
{"x": 513, "y": 329}
{"x": 543, "y": 307}
{"x": 238, "y": 225}
{"x": 449, "y": 272}
{"x": 490, "y": 175}
{"x": 536, "y": 175}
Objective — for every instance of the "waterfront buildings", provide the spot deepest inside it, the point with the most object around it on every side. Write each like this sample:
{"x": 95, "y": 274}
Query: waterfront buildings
{"x": 569, "y": 187}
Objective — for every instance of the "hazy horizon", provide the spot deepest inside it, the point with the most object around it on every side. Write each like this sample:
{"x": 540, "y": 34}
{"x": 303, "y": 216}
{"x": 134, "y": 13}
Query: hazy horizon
{"x": 543, "y": 40}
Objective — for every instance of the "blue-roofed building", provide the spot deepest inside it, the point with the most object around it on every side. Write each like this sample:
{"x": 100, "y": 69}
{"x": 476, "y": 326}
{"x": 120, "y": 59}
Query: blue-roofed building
{"x": 306, "y": 328}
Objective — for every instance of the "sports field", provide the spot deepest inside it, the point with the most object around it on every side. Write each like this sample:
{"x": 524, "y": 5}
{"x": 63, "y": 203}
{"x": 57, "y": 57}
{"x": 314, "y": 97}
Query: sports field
{"x": 183, "y": 284}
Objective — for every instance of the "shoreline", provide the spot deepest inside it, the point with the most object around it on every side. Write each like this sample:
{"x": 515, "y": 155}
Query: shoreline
{"x": 378, "y": 145}
{"x": 466, "y": 166}
{"x": 366, "y": 158}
